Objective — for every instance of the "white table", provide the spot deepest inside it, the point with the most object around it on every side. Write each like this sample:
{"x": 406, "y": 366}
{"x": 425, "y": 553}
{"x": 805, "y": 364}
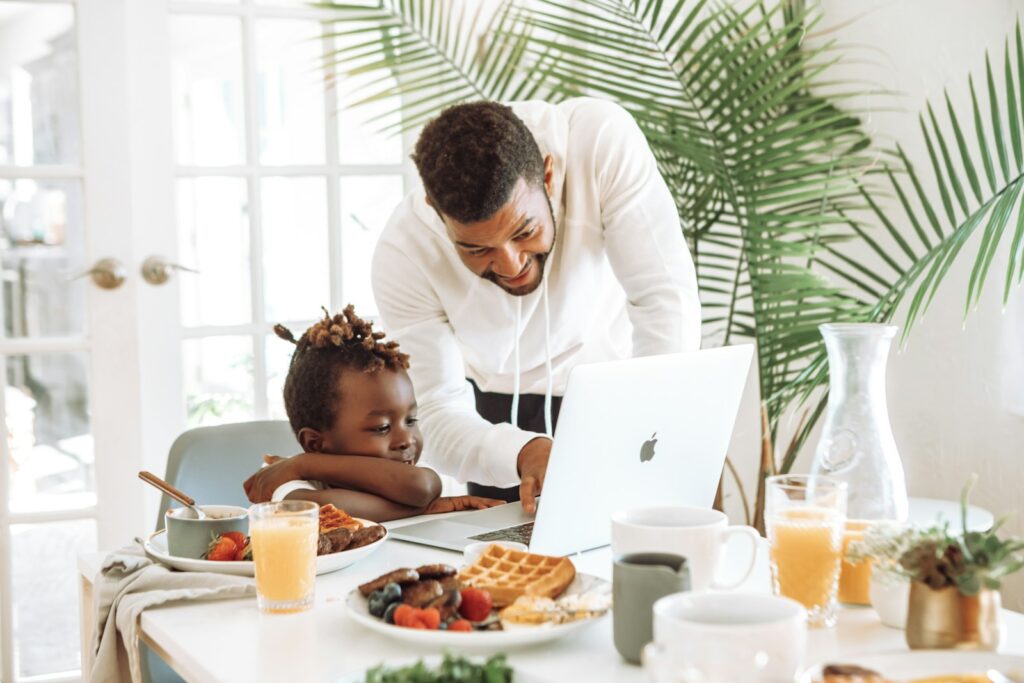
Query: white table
{"x": 227, "y": 641}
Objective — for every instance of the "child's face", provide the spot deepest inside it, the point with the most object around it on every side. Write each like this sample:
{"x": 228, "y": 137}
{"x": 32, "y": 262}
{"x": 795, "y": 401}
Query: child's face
{"x": 376, "y": 417}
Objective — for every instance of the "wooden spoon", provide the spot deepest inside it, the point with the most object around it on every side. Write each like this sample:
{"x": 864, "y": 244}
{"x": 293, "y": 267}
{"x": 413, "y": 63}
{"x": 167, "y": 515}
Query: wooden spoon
{"x": 174, "y": 493}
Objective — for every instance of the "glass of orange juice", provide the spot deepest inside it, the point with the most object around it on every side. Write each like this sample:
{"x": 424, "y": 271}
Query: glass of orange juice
{"x": 284, "y": 537}
{"x": 805, "y": 518}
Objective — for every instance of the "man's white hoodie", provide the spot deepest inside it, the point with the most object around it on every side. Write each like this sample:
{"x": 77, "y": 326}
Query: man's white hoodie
{"x": 619, "y": 282}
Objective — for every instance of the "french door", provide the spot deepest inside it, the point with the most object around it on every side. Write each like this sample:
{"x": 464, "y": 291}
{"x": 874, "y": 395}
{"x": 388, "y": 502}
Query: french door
{"x": 201, "y": 134}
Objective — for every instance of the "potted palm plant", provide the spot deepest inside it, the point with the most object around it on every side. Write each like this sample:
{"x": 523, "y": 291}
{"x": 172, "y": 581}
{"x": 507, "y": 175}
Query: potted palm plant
{"x": 779, "y": 188}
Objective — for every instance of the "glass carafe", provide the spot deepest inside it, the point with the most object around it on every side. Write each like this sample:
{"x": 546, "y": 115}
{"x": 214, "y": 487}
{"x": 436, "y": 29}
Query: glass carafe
{"x": 856, "y": 443}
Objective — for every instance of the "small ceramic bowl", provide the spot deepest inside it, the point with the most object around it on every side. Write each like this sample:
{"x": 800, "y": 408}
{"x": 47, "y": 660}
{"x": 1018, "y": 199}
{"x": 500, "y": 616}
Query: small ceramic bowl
{"x": 190, "y": 537}
{"x": 475, "y": 550}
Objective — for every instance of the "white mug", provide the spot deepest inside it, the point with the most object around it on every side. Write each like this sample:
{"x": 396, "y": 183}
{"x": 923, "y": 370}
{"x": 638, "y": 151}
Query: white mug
{"x": 712, "y": 637}
{"x": 698, "y": 534}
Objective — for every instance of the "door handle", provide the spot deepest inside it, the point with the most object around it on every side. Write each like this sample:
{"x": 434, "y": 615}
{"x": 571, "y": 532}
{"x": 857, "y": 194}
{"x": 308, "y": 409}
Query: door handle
{"x": 107, "y": 273}
{"x": 157, "y": 270}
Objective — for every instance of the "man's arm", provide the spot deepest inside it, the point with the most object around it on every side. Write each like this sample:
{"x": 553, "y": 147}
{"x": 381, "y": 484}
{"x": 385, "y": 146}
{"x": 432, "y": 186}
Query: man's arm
{"x": 413, "y": 487}
{"x": 643, "y": 236}
{"x": 458, "y": 441}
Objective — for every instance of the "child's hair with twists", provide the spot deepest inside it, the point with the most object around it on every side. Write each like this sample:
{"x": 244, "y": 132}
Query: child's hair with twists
{"x": 335, "y": 343}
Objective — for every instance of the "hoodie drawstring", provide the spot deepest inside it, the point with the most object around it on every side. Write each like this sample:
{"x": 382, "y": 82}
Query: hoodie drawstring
{"x": 514, "y": 419}
{"x": 515, "y": 382}
{"x": 547, "y": 360}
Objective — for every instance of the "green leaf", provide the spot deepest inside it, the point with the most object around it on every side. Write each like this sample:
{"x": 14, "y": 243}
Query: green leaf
{"x": 997, "y": 127}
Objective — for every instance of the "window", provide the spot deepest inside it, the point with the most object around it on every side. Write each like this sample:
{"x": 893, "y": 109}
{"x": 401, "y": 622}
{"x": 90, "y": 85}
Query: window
{"x": 281, "y": 195}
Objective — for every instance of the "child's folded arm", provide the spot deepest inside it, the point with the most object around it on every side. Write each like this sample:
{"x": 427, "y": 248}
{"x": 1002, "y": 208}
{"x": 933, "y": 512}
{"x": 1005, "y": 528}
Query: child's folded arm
{"x": 415, "y": 487}
{"x": 358, "y": 503}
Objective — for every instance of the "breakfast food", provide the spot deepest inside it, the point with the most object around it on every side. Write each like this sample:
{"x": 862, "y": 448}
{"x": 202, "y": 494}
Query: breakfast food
{"x": 850, "y": 673}
{"x": 507, "y": 574}
{"x": 399, "y": 576}
{"x": 333, "y": 541}
{"x": 338, "y": 531}
{"x": 228, "y": 547}
{"x": 451, "y": 670}
{"x": 437, "y": 596}
{"x": 366, "y": 536}
{"x": 335, "y": 518}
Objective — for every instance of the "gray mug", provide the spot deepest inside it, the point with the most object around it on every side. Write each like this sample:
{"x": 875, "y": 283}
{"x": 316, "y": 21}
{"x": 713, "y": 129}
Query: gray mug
{"x": 638, "y": 581}
{"x": 191, "y": 537}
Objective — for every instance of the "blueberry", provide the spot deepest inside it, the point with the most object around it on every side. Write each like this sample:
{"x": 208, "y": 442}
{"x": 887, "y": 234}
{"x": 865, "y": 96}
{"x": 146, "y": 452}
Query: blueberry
{"x": 377, "y": 603}
{"x": 389, "y": 613}
{"x": 443, "y": 626}
{"x": 392, "y": 592}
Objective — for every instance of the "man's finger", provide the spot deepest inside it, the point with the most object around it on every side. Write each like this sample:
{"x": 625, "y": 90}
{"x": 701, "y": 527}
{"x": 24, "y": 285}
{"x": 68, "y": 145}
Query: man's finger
{"x": 527, "y": 491}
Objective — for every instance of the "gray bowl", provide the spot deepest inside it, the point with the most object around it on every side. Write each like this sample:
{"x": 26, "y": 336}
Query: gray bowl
{"x": 191, "y": 537}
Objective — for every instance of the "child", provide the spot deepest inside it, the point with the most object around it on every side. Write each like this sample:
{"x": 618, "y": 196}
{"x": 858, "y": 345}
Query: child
{"x": 352, "y": 407}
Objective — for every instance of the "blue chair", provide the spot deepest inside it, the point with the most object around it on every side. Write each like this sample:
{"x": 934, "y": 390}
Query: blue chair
{"x": 210, "y": 464}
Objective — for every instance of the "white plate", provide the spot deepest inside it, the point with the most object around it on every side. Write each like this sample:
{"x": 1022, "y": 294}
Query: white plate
{"x": 480, "y": 640}
{"x": 906, "y": 666}
{"x": 433, "y": 661}
{"x": 156, "y": 548}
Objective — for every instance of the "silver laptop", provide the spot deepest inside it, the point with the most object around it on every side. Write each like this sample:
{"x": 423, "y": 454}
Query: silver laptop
{"x": 631, "y": 433}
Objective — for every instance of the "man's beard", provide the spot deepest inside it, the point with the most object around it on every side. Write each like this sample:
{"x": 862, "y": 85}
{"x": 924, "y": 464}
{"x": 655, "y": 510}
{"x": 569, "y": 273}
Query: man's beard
{"x": 537, "y": 260}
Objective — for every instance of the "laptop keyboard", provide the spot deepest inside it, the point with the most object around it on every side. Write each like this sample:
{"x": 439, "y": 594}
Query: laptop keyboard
{"x": 520, "y": 533}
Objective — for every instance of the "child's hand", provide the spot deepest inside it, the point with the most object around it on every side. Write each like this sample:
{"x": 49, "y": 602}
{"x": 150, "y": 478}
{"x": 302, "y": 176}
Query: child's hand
{"x": 261, "y": 485}
{"x": 460, "y": 503}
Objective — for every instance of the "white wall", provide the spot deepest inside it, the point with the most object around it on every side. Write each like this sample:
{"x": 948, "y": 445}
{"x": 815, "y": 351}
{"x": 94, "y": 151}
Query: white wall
{"x": 956, "y": 394}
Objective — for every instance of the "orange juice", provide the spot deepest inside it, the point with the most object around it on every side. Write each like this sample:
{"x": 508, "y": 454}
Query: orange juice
{"x": 284, "y": 553}
{"x": 805, "y": 545}
{"x": 855, "y": 579}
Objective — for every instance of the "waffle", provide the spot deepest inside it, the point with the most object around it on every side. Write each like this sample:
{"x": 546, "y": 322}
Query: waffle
{"x": 332, "y": 518}
{"x": 507, "y": 574}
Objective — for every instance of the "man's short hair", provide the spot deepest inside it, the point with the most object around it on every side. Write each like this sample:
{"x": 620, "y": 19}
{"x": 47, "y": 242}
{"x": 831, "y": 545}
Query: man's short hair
{"x": 472, "y": 155}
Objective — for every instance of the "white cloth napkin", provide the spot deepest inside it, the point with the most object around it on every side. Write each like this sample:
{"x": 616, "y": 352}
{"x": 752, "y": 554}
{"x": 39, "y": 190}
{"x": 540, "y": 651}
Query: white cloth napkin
{"x": 129, "y": 582}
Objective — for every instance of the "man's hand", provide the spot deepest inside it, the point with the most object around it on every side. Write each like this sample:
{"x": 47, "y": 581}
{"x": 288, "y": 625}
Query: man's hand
{"x": 532, "y": 464}
{"x": 460, "y": 503}
{"x": 261, "y": 485}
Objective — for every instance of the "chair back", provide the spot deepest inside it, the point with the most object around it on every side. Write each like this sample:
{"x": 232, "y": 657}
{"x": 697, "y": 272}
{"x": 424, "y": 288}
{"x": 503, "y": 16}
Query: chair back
{"x": 211, "y": 463}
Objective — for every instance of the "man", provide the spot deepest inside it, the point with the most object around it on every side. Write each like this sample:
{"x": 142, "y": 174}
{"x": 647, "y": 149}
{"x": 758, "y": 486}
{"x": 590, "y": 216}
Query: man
{"x": 543, "y": 237}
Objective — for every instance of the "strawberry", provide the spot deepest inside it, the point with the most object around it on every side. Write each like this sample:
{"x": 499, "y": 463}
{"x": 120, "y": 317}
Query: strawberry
{"x": 237, "y": 536}
{"x": 460, "y": 625}
{"x": 430, "y": 617}
{"x": 244, "y": 551}
{"x": 476, "y": 604}
{"x": 404, "y": 615}
{"x": 222, "y": 549}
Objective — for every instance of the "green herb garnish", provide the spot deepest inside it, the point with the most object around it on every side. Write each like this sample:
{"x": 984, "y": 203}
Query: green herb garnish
{"x": 453, "y": 669}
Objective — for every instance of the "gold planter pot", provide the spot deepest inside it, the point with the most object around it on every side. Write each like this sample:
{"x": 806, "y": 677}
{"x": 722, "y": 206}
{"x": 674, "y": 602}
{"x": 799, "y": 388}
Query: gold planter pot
{"x": 945, "y": 619}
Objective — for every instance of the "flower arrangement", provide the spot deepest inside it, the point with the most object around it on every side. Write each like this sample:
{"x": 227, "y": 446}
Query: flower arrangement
{"x": 940, "y": 558}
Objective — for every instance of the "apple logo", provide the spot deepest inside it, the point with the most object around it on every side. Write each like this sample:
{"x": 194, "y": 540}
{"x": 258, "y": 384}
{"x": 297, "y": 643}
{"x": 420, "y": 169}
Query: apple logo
{"x": 647, "y": 449}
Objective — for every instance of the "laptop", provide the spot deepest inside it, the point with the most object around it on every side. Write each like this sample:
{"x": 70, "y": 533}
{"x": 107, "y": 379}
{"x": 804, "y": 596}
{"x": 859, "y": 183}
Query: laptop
{"x": 631, "y": 433}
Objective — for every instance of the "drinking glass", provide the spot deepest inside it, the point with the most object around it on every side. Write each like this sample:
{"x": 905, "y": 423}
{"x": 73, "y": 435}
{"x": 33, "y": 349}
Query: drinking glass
{"x": 805, "y": 517}
{"x": 284, "y": 537}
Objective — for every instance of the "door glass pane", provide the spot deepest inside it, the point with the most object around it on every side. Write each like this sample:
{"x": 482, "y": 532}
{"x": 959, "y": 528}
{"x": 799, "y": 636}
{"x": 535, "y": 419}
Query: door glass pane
{"x": 360, "y": 140}
{"x": 206, "y": 70}
{"x": 295, "y": 254}
{"x": 45, "y": 567}
{"x": 213, "y": 234}
{"x": 290, "y": 91}
{"x": 366, "y": 205}
{"x": 46, "y": 404}
{"x": 42, "y": 243}
{"x": 218, "y": 380}
{"x": 38, "y": 84}
{"x": 279, "y": 356}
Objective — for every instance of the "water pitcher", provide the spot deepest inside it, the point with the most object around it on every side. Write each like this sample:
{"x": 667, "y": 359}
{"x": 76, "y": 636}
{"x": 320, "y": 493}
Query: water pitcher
{"x": 856, "y": 444}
